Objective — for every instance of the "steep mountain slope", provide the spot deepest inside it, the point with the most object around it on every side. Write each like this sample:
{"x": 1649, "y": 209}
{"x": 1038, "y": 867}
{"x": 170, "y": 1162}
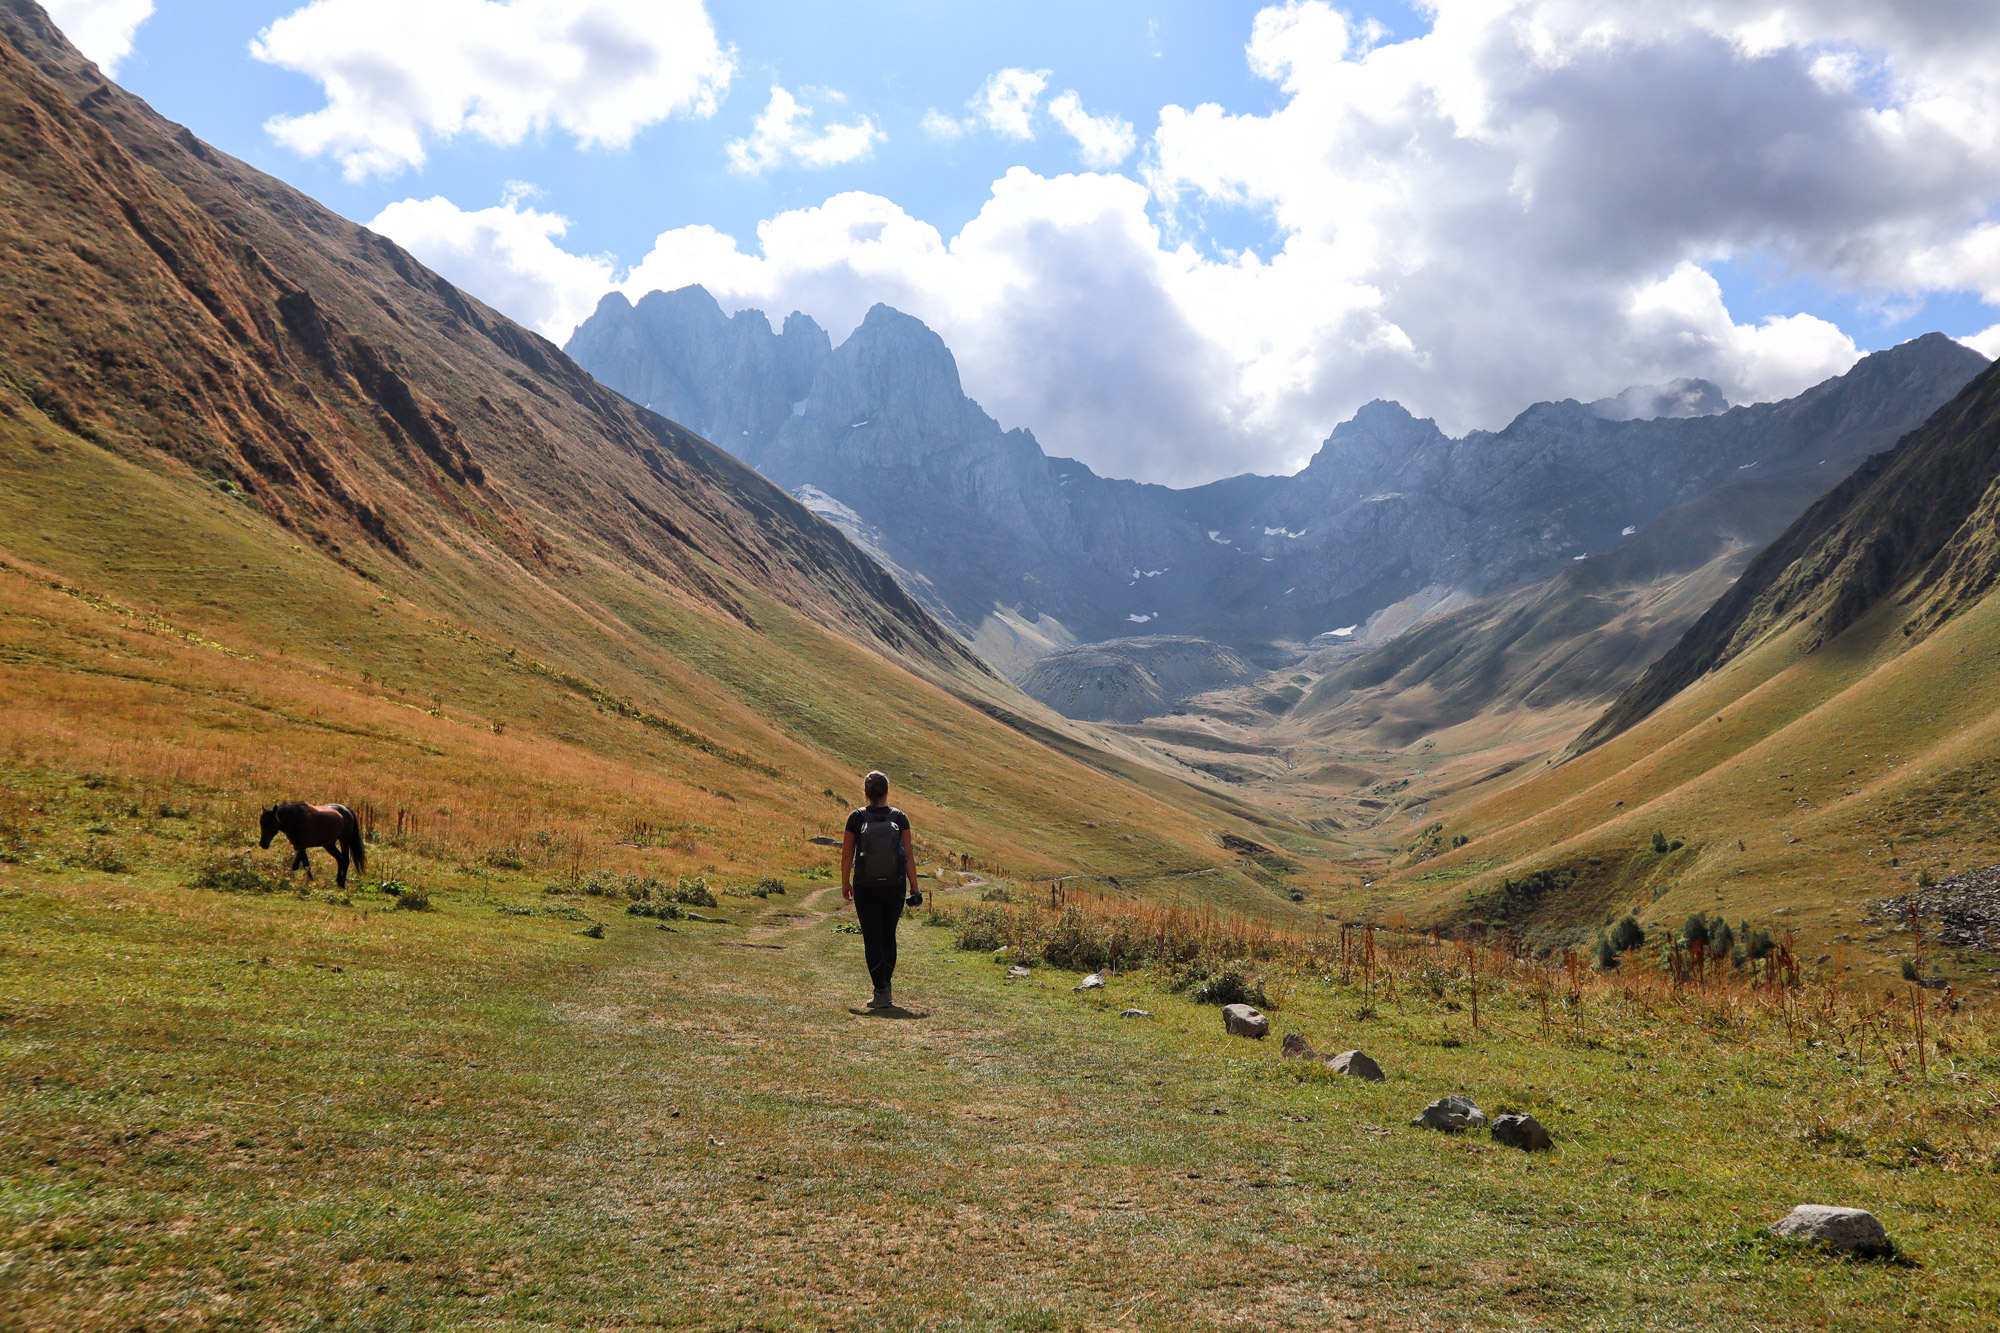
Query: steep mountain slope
{"x": 1835, "y": 737}
{"x": 1917, "y": 512}
{"x": 284, "y": 513}
{"x": 1025, "y": 554}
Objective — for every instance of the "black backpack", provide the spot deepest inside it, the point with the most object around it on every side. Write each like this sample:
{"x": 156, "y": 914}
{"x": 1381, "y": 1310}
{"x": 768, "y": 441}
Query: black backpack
{"x": 878, "y": 851}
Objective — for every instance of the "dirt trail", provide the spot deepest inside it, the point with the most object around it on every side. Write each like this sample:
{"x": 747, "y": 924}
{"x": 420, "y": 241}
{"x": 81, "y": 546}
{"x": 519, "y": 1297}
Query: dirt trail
{"x": 805, "y": 920}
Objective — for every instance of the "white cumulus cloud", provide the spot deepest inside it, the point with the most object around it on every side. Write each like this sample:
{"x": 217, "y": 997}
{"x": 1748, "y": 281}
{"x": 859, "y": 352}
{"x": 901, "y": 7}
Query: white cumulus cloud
{"x": 1533, "y": 199}
{"x": 1005, "y": 103}
{"x": 786, "y": 132}
{"x": 399, "y": 74}
{"x": 506, "y": 255}
{"x": 1101, "y": 141}
{"x": 101, "y": 29}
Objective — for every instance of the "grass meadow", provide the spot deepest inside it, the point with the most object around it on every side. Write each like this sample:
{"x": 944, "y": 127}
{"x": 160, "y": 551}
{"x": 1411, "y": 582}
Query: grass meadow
{"x": 286, "y": 1107}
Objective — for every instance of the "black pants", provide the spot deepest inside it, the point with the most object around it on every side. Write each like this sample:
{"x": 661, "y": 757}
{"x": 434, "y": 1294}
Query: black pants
{"x": 879, "y": 911}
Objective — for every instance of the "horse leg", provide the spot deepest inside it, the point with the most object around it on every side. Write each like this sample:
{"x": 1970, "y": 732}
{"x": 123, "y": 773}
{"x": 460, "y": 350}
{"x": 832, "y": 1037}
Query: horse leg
{"x": 304, "y": 862}
{"x": 340, "y": 870}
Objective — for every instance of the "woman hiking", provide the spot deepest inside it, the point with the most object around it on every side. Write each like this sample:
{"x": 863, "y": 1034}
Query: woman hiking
{"x": 877, "y": 868}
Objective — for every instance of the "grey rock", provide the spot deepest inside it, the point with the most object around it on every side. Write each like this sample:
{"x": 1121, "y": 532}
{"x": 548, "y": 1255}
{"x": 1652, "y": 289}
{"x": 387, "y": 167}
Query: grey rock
{"x": 1017, "y": 971}
{"x": 1135, "y": 1013}
{"x": 1843, "y": 1230}
{"x": 1091, "y": 982}
{"x": 820, "y": 839}
{"x": 1451, "y": 1114}
{"x": 1245, "y": 1020}
{"x": 1523, "y": 1132}
{"x": 1296, "y": 1047}
{"x": 1356, "y": 1065}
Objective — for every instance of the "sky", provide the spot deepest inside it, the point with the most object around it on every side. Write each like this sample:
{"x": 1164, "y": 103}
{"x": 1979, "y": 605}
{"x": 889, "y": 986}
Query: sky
{"x": 1177, "y": 240}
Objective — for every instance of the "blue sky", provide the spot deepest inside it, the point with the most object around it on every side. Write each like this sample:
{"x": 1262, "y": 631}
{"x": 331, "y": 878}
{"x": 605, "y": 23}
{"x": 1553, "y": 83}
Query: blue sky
{"x": 895, "y": 59}
{"x": 1443, "y": 211}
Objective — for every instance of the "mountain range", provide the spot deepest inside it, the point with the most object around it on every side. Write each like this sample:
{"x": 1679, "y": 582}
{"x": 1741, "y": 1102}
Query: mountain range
{"x": 1025, "y": 554}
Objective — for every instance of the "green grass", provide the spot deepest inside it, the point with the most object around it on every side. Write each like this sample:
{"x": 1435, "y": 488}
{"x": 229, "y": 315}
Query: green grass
{"x": 262, "y": 1110}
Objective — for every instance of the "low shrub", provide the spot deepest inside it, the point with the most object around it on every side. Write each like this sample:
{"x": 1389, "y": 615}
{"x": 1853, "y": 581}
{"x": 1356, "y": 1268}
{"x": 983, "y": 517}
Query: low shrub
{"x": 1229, "y": 984}
{"x": 413, "y": 900}
{"x": 658, "y": 909}
{"x": 99, "y": 856}
{"x": 234, "y": 874}
{"x": 693, "y": 891}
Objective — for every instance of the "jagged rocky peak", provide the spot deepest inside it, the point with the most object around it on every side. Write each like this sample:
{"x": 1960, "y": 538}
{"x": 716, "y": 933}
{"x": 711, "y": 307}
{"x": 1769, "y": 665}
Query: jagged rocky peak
{"x": 889, "y": 396}
{"x": 1648, "y": 402}
{"x": 730, "y": 377}
{"x": 899, "y": 374}
{"x": 1377, "y": 439}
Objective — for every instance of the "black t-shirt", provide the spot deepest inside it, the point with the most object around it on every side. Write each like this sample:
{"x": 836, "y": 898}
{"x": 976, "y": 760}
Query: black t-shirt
{"x": 858, "y": 817}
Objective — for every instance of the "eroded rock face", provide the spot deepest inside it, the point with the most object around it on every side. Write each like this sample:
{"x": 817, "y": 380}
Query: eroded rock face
{"x": 1245, "y": 1020}
{"x": 1451, "y": 1114}
{"x": 1356, "y": 1065}
{"x": 1523, "y": 1132}
{"x": 1843, "y": 1230}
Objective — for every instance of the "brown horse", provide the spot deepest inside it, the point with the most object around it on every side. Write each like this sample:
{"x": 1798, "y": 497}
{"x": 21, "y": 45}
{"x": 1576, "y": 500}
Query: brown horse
{"x": 333, "y": 827}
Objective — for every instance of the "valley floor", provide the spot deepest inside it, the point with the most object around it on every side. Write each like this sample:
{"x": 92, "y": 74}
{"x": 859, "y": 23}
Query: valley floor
{"x": 265, "y": 1111}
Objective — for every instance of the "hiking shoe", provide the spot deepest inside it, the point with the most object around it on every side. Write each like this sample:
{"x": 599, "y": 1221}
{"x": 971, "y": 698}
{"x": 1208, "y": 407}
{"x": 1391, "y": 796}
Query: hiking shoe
{"x": 881, "y": 1001}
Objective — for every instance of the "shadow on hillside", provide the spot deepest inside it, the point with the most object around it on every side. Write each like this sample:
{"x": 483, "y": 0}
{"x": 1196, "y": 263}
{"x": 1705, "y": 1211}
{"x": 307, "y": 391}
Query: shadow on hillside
{"x": 893, "y": 1011}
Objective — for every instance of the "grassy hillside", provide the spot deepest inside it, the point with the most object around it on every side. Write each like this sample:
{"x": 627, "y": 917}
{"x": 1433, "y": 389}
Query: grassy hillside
{"x": 284, "y": 515}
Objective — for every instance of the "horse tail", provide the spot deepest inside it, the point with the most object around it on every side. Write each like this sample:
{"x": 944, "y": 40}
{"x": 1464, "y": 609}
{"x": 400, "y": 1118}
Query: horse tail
{"x": 352, "y": 837}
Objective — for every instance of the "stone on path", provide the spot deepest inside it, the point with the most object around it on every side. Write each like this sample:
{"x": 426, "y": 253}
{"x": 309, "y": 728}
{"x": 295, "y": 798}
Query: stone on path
{"x": 1523, "y": 1132}
{"x": 1135, "y": 1013}
{"x": 1451, "y": 1114}
{"x": 1245, "y": 1020}
{"x": 1356, "y": 1065}
{"x": 1842, "y": 1230}
{"x": 1297, "y": 1048}
{"x": 1094, "y": 981}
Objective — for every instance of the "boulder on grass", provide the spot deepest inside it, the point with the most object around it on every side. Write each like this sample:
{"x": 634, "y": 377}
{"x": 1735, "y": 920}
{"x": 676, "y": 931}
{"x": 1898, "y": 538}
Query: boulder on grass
{"x": 1297, "y": 1048}
{"x": 1356, "y": 1065}
{"x": 1853, "y": 1231}
{"x": 1095, "y": 981}
{"x": 1245, "y": 1020}
{"x": 1451, "y": 1114}
{"x": 1523, "y": 1132}
{"x": 1135, "y": 1013}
